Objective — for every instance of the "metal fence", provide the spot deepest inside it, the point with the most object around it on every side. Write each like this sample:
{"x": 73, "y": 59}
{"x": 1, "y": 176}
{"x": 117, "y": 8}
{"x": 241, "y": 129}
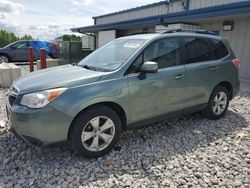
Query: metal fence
{"x": 71, "y": 52}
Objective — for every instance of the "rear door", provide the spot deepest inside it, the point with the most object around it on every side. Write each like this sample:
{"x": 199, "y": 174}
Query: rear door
{"x": 201, "y": 69}
{"x": 162, "y": 92}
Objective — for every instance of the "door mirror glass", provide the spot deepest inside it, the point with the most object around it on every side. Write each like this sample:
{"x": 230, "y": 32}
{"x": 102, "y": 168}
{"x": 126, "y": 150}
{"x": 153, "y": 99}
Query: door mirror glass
{"x": 149, "y": 67}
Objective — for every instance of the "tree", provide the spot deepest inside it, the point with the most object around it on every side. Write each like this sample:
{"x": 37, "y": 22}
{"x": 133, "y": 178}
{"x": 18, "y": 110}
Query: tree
{"x": 26, "y": 37}
{"x": 69, "y": 38}
{"x": 8, "y": 37}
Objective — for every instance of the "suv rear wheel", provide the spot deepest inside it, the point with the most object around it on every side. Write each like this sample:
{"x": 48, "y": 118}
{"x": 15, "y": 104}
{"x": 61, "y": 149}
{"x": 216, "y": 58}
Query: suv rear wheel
{"x": 218, "y": 103}
{"x": 4, "y": 59}
{"x": 95, "y": 131}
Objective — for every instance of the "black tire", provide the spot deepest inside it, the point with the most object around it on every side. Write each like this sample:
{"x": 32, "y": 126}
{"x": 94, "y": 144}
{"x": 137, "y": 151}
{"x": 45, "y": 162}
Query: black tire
{"x": 209, "y": 112}
{"x": 49, "y": 56}
{"x": 4, "y": 59}
{"x": 82, "y": 121}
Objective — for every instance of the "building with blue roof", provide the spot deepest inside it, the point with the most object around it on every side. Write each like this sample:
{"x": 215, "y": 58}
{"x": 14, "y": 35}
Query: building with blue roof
{"x": 228, "y": 18}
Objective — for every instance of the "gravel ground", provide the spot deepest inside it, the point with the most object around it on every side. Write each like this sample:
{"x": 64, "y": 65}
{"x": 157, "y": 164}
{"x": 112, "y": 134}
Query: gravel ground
{"x": 187, "y": 152}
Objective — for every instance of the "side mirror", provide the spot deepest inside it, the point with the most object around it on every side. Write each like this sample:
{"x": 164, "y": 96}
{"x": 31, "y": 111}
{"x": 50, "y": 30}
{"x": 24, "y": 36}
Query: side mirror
{"x": 149, "y": 67}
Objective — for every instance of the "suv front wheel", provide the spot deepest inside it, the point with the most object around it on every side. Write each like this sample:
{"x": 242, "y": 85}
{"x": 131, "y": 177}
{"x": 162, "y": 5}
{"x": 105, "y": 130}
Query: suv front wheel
{"x": 95, "y": 131}
{"x": 218, "y": 103}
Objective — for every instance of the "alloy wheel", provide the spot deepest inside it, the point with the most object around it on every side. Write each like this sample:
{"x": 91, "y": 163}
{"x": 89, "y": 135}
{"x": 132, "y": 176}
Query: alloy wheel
{"x": 219, "y": 103}
{"x": 98, "y": 133}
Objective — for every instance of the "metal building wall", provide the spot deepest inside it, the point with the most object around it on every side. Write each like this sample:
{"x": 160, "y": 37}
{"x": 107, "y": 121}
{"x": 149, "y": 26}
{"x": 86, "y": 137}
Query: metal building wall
{"x": 140, "y": 13}
{"x": 105, "y": 37}
{"x": 158, "y": 10}
{"x": 195, "y": 4}
{"x": 239, "y": 40}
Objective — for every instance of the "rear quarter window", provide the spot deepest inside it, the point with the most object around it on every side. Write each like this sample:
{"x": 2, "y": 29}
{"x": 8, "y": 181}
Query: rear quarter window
{"x": 218, "y": 49}
{"x": 196, "y": 50}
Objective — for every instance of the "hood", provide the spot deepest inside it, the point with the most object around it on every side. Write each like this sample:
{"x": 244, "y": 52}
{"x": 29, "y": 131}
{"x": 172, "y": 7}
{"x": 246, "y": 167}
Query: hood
{"x": 62, "y": 76}
{"x": 4, "y": 48}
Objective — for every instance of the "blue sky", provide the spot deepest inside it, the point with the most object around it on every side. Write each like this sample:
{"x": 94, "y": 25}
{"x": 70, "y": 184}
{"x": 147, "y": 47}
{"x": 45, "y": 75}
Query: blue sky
{"x": 47, "y": 19}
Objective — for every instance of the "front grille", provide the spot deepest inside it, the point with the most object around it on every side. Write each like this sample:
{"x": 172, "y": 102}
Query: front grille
{"x": 12, "y": 99}
{"x": 12, "y": 95}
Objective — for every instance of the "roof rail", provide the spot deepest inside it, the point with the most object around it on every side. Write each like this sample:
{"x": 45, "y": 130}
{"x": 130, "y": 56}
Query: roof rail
{"x": 190, "y": 31}
{"x": 143, "y": 32}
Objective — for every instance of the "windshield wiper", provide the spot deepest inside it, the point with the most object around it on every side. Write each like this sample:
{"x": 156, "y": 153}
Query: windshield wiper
{"x": 94, "y": 68}
{"x": 89, "y": 67}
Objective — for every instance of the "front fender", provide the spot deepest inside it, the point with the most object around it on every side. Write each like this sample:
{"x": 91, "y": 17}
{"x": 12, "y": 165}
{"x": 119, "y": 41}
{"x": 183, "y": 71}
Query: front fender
{"x": 76, "y": 99}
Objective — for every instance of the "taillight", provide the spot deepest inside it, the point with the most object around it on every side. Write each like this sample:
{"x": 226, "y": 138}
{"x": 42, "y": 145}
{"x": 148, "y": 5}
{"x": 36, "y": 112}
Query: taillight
{"x": 236, "y": 63}
{"x": 55, "y": 46}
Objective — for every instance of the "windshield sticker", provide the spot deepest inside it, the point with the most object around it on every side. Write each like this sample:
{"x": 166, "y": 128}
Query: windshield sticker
{"x": 131, "y": 45}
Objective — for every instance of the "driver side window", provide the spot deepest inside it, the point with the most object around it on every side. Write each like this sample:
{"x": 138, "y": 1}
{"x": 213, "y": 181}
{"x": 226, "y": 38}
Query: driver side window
{"x": 19, "y": 45}
{"x": 165, "y": 52}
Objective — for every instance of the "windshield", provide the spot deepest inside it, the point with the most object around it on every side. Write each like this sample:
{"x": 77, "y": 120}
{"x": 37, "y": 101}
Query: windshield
{"x": 112, "y": 55}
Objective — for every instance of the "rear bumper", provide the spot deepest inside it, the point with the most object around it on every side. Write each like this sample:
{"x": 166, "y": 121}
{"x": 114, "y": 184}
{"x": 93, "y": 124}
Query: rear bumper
{"x": 236, "y": 89}
{"x": 39, "y": 127}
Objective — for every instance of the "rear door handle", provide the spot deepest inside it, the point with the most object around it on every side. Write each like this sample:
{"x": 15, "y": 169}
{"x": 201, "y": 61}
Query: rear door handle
{"x": 178, "y": 76}
{"x": 213, "y": 68}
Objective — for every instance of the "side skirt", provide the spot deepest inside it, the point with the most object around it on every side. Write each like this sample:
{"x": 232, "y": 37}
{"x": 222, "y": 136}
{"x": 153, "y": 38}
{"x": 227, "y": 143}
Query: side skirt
{"x": 160, "y": 118}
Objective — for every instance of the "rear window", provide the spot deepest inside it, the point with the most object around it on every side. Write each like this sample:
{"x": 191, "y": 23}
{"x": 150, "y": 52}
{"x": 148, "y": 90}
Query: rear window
{"x": 196, "y": 50}
{"x": 218, "y": 49}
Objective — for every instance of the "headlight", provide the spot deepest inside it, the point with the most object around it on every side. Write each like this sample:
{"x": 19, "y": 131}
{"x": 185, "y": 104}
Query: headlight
{"x": 41, "y": 98}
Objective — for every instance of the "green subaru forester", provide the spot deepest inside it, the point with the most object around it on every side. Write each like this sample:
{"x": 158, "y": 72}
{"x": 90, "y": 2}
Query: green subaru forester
{"x": 129, "y": 82}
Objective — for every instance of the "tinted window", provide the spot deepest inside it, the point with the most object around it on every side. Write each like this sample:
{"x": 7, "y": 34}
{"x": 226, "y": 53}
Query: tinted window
{"x": 20, "y": 45}
{"x": 218, "y": 49}
{"x": 137, "y": 63}
{"x": 197, "y": 50}
{"x": 165, "y": 52}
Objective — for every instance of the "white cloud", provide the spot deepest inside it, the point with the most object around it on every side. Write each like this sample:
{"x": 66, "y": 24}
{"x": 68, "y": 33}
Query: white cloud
{"x": 82, "y": 2}
{"x": 45, "y": 20}
{"x": 8, "y": 10}
{"x": 54, "y": 26}
{"x": 3, "y": 16}
{"x": 7, "y": 6}
{"x": 48, "y": 32}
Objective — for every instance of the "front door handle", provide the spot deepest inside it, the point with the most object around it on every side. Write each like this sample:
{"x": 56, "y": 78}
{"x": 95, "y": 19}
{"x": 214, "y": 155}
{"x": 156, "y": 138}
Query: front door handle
{"x": 178, "y": 76}
{"x": 213, "y": 68}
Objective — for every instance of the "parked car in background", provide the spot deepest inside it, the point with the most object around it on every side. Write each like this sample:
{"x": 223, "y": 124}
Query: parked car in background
{"x": 18, "y": 51}
{"x": 129, "y": 82}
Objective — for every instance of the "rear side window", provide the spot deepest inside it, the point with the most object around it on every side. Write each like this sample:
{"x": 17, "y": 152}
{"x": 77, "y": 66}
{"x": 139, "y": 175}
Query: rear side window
{"x": 196, "y": 50}
{"x": 218, "y": 49}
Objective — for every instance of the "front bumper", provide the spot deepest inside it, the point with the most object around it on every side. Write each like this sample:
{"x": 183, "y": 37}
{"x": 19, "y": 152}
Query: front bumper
{"x": 40, "y": 127}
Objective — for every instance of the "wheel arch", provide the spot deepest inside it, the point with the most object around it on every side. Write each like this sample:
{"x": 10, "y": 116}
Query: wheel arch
{"x": 51, "y": 55}
{"x": 228, "y": 86}
{"x": 5, "y": 54}
{"x": 114, "y": 106}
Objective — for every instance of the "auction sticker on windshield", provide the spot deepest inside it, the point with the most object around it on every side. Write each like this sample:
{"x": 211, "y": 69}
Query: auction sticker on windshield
{"x": 131, "y": 45}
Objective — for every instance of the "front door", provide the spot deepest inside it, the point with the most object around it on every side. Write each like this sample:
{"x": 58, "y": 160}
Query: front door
{"x": 158, "y": 93}
{"x": 19, "y": 51}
